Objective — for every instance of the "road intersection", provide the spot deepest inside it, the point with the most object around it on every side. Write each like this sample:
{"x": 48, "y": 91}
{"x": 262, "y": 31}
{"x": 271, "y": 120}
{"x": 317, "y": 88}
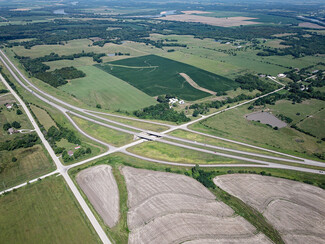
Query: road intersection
{"x": 94, "y": 116}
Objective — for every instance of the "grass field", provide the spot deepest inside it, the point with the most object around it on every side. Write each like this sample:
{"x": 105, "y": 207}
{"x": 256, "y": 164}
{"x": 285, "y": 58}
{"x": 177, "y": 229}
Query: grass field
{"x": 113, "y": 137}
{"x": 171, "y": 153}
{"x": 99, "y": 87}
{"x": 9, "y": 116}
{"x": 297, "y": 111}
{"x": 148, "y": 73}
{"x": 43, "y": 117}
{"x": 315, "y": 124}
{"x": 44, "y": 212}
{"x": 233, "y": 125}
{"x": 31, "y": 163}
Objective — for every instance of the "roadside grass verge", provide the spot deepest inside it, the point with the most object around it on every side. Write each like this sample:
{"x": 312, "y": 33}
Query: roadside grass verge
{"x": 44, "y": 212}
{"x": 113, "y": 137}
{"x": 170, "y": 153}
{"x": 43, "y": 117}
{"x": 216, "y": 142}
{"x": 31, "y": 163}
{"x": 138, "y": 124}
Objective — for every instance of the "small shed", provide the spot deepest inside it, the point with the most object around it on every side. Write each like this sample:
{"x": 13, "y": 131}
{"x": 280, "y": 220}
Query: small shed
{"x": 9, "y": 106}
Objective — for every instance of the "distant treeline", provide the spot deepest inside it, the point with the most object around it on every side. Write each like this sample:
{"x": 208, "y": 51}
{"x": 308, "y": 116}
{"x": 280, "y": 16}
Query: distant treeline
{"x": 58, "y": 77}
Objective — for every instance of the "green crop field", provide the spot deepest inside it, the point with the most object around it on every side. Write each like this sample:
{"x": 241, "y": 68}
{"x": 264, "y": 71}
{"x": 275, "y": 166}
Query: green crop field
{"x": 44, "y": 212}
{"x": 31, "y": 163}
{"x": 99, "y": 87}
{"x": 233, "y": 125}
{"x": 157, "y": 75}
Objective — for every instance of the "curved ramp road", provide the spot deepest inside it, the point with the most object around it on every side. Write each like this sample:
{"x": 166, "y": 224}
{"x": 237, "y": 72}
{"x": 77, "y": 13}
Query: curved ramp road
{"x": 95, "y": 118}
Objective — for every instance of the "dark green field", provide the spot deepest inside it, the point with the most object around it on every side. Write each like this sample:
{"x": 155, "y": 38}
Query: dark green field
{"x": 156, "y": 75}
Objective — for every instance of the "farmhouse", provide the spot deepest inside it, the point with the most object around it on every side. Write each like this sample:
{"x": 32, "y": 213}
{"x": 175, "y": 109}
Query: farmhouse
{"x": 12, "y": 131}
{"x": 9, "y": 106}
{"x": 281, "y": 75}
{"x": 70, "y": 153}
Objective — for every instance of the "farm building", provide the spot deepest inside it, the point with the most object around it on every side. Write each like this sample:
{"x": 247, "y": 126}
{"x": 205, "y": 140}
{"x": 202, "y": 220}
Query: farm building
{"x": 70, "y": 153}
{"x": 9, "y": 106}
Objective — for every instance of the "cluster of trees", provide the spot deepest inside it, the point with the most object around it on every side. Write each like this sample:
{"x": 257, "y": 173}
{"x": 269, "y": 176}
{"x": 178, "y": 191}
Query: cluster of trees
{"x": 14, "y": 124}
{"x": 59, "y": 77}
{"x": 161, "y": 111}
{"x": 20, "y": 142}
{"x": 165, "y": 98}
{"x": 202, "y": 108}
{"x": 2, "y": 91}
{"x": 62, "y": 30}
{"x": 78, "y": 153}
{"x": 55, "y": 134}
{"x": 206, "y": 178}
{"x": 284, "y": 118}
{"x": 298, "y": 46}
{"x": 251, "y": 82}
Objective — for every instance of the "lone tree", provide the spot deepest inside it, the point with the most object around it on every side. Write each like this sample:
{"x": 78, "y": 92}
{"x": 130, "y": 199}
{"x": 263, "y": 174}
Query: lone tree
{"x": 16, "y": 124}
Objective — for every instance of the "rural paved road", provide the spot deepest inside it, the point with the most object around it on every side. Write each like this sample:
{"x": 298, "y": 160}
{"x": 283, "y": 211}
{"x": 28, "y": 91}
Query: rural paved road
{"x": 64, "y": 169}
{"x": 60, "y": 168}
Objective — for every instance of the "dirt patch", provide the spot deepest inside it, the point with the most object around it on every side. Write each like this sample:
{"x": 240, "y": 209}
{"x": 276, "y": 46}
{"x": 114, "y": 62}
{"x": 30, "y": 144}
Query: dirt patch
{"x": 224, "y": 22}
{"x": 266, "y": 118}
{"x": 100, "y": 187}
{"x": 196, "y": 86}
{"x": 173, "y": 208}
{"x": 310, "y": 25}
{"x": 295, "y": 209}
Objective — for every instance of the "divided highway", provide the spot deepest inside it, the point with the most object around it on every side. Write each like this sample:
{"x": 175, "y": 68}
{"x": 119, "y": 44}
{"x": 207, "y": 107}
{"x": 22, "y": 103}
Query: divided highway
{"x": 94, "y": 116}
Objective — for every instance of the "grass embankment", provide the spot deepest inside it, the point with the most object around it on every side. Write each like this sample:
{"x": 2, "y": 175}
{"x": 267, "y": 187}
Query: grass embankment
{"x": 100, "y": 87}
{"x": 113, "y": 137}
{"x": 44, "y": 212}
{"x": 138, "y": 124}
{"x": 249, "y": 213}
{"x": 116, "y": 160}
{"x": 170, "y": 153}
{"x": 31, "y": 163}
{"x": 233, "y": 125}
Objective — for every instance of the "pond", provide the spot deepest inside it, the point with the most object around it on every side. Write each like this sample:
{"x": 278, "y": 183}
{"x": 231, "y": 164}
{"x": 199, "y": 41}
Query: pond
{"x": 59, "y": 11}
{"x": 266, "y": 118}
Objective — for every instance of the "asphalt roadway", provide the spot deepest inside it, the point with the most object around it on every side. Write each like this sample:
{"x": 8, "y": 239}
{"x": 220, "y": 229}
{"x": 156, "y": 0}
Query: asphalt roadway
{"x": 67, "y": 109}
